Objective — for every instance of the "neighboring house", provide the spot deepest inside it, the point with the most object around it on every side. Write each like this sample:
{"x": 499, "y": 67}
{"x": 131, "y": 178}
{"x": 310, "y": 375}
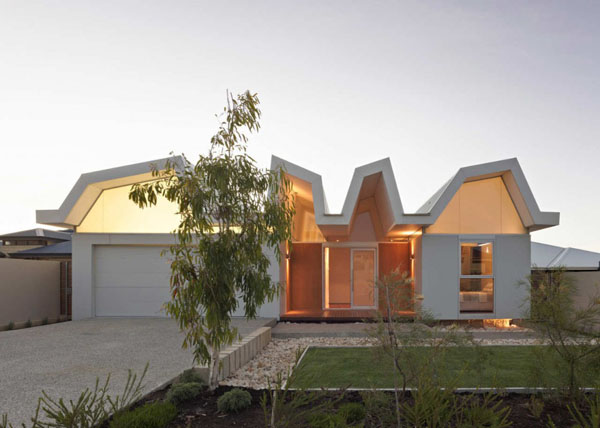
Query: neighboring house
{"x": 30, "y": 239}
{"x": 467, "y": 248}
{"x": 582, "y": 266}
{"x": 39, "y": 286}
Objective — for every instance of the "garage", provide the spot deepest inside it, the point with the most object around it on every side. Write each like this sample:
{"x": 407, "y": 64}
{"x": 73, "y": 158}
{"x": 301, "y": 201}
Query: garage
{"x": 130, "y": 280}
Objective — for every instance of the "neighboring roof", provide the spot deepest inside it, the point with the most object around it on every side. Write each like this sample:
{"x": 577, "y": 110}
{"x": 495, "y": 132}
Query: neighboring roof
{"x": 508, "y": 169}
{"x": 39, "y": 233}
{"x": 62, "y": 249}
{"x": 544, "y": 256}
{"x": 89, "y": 186}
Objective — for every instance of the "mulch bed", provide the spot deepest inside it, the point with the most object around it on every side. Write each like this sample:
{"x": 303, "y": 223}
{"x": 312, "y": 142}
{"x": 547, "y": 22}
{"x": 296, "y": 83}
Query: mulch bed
{"x": 202, "y": 412}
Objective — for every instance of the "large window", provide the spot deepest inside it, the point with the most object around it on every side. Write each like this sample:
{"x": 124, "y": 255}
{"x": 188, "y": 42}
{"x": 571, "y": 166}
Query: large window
{"x": 476, "y": 277}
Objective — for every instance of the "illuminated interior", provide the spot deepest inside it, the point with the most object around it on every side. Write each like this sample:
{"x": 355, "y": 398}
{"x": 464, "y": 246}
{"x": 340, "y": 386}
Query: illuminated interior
{"x": 476, "y": 277}
{"x": 113, "y": 212}
{"x": 482, "y": 206}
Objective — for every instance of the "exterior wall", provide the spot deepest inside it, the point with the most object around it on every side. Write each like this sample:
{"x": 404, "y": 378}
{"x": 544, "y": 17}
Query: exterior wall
{"x": 439, "y": 274}
{"x": 83, "y": 269}
{"x": 29, "y": 290}
{"x": 512, "y": 264}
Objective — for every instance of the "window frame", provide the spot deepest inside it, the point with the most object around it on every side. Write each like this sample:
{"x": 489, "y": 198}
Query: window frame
{"x": 492, "y": 276}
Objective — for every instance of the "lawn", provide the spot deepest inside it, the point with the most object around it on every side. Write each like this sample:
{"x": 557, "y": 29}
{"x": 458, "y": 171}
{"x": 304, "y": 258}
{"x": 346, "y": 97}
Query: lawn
{"x": 498, "y": 366}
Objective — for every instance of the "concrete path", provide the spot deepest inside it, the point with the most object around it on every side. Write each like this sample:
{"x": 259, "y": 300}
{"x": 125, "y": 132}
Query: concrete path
{"x": 63, "y": 359}
{"x": 284, "y": 330}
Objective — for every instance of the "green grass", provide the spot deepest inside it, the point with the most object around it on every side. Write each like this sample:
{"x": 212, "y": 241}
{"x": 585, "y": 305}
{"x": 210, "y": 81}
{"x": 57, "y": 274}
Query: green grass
{"x": 364, "y": 367}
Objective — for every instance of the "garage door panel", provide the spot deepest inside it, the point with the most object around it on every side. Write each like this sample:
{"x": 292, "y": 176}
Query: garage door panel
{"x": 130, "y": 280}
{"x": 129, "y": 301}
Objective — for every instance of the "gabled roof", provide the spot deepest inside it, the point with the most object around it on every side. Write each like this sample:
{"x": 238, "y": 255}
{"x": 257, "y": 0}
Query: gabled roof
{"x": 544, "y": 256}
{"x": 508, "y": 169}
{"x": 62, "y": 249}
{"x": 88, "y": 188}
{"x": 39, "y": 233}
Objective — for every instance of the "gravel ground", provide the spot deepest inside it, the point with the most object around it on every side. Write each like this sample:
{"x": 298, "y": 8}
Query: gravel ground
{"x": 279, "y": 356}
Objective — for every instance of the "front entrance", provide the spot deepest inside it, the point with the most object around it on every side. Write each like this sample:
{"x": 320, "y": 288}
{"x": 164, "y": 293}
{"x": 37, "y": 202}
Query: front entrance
{"x": 349, "y": 278}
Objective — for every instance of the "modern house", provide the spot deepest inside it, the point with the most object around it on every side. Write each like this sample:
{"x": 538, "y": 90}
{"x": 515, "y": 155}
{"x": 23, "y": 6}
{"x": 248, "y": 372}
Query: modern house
{"x": 24, "y": 240}
{"x": 466, "y": 248}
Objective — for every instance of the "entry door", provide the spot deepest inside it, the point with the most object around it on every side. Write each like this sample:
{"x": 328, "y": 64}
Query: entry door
{"x": 363, "y": 278}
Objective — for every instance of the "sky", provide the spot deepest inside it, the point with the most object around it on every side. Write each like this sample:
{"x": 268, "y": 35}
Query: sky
{"x": 434, "y": 86}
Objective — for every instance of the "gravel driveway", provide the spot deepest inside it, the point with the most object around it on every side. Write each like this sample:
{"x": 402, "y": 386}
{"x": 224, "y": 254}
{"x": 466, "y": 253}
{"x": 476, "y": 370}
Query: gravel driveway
{"x": 63, "y": 359}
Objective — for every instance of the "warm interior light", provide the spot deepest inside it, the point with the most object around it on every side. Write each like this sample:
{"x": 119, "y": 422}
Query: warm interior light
{"x": 499, "y": 323}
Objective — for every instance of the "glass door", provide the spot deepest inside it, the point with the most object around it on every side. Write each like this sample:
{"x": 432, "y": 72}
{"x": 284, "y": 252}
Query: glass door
{"x": 363, "y": 278}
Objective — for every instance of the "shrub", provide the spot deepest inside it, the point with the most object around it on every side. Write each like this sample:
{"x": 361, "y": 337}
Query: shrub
{"x": 234, "y": 401}
{"x": 191, "y": 376}
{"x": 152, "y": 415}
{"x": 45, "y": 321}
{"x": 182, "y": 392}
{"x": 379, "y": 408}
{"x": 590, "y": 420}
{"x": 487, "y": 412}
{"x": 28, "y": 324}
{"x": 10, "y": 326}
{"x": 326, "y": 420}
{"x": 352, "y": 412}
{"x": 536, "y": 407}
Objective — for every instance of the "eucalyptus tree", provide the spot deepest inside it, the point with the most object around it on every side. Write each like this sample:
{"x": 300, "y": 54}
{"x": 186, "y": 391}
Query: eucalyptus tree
{"x": 232, "y": 215}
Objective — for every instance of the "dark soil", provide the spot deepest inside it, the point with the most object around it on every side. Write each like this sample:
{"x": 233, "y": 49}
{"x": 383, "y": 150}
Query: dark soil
{"x": 202, "y": 412}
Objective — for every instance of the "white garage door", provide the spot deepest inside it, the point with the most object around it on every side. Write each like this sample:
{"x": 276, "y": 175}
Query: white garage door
{"x": 130, "y": 280}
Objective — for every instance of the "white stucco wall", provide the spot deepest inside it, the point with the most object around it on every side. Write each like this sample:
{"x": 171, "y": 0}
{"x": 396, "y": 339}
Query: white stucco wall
{"x": 29, "y": 290}
{"x": 85, "y": 275}
{"x": 440, "y": 267}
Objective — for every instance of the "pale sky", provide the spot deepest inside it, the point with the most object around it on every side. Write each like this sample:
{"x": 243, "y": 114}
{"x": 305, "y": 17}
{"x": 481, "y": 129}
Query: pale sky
{"x": 89, "y": 85}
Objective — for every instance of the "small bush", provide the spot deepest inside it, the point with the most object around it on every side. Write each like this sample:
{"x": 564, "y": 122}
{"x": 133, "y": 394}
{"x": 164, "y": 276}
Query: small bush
{"x": 182, "y": 392}
{"x": 28, "y": 324}
{"x": 234, "y": 401}
{"x": 45, "y": 321}
{"x": 10, "y": 326}
{"x": 327, "y": 420}
{"x": 152, "y": 415}
{"x": 352, "y": 412}
{"x": 191, "y": 376}
{"x": 536, "y": 407}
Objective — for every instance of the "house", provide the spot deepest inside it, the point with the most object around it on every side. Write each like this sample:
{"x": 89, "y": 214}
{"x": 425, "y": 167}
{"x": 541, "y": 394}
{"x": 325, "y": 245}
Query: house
{"x": 466, "y": 248}
{"x": 30, "y": 239}
{"x": 581, "y": 266}
{"x": 38, "y": 286}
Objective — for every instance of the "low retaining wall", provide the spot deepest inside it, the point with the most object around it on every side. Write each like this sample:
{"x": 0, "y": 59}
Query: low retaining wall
{"x": 238, "y": 354}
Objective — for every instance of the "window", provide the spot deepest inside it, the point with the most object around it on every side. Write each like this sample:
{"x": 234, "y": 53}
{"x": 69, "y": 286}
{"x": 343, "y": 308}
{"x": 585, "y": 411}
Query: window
{"x": 476, "y": 277}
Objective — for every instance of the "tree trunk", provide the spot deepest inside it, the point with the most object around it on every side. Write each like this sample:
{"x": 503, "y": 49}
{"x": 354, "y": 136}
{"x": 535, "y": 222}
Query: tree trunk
{"x": 213, "y": 369}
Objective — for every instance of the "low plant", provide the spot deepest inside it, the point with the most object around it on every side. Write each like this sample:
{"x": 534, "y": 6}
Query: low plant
{"x": 10, "y": 326}
{"x": 285, "y": 408}
{"x": 486, "y": 412}
{"x": 28, "y": 324}
{"x": 151, "y": 415}
{"x": 191, "y": 376}
{"x": 327, "y": 420}
{"x": 430, "y": 406}
{"x": 379, "y": 409}
{"x": 535, "y": 406}
{"x": 571, "y": 331}
{"x": 91, "y": 409}
{"x": 45, "y": 321}
{"x": 352, "y": 412}
{"x": 592, "y": 418}
{"x": 181, "y": 392}
{"x": 234, "y": 401}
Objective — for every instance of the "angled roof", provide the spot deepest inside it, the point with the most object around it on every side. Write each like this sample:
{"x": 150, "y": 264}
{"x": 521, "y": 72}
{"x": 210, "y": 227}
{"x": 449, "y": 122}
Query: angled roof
{"x": 508, "y": 169}
{"x": 62, "y": 249}
{"x": 39, "y": 233}
{"x": 89, "y": 186}
{"x": 544, "y": 256}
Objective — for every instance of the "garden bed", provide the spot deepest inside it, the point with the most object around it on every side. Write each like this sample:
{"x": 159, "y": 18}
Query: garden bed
{"x": 202, "y": 411}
